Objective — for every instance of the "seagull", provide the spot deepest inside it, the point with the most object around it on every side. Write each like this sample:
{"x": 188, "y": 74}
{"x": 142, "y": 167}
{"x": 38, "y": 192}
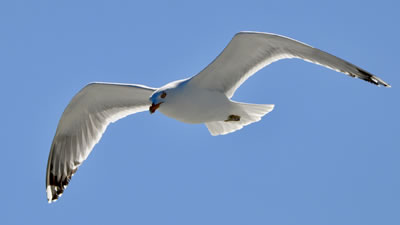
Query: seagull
{"x": 204, "y": 98}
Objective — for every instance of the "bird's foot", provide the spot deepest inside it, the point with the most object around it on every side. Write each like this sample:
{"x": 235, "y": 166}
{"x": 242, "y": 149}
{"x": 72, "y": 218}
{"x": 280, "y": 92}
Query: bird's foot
{"x": 232, "y": 118}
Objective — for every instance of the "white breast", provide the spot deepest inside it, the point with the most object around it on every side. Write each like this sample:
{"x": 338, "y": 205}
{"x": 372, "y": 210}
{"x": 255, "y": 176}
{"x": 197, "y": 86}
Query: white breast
{"x": 196, "y": 105}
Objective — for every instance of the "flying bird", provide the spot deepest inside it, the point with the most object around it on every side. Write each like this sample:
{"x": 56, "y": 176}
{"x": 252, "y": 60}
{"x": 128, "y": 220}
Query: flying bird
{"x": 203, "y": 98}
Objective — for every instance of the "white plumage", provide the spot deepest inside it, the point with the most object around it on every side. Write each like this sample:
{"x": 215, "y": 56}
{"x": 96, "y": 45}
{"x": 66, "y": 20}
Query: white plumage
{"x": 204, "y": 98}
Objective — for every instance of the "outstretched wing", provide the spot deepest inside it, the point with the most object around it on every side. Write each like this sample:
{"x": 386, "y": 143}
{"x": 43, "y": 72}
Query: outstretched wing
{"x": 82, "y": 124}
{"x": 249, "y": 52}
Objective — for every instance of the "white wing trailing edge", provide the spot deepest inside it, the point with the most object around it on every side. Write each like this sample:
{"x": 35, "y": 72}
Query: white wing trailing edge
{"x": 248, "y": 52}
{"x": 82, "y": 124}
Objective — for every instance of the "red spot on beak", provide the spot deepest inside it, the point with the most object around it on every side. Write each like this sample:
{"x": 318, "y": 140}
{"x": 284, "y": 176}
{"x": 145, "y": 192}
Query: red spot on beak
{"x": 154, "y": 107}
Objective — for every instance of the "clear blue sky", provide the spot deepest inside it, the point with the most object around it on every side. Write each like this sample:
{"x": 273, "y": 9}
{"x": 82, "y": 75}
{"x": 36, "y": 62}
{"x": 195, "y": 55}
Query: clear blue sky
{"x": 328, "y": 154}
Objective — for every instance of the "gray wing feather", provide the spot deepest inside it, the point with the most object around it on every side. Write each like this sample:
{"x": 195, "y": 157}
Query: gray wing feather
{"x": 249, "y": 52}
{"x": 82, "y": 124}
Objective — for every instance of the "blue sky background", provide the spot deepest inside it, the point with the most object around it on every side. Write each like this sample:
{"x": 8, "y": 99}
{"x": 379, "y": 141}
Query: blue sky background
{"x": 328, "y": 154}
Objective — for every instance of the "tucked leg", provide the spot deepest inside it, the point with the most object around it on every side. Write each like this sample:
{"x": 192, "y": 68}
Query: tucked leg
{"x": 232, "y": 118}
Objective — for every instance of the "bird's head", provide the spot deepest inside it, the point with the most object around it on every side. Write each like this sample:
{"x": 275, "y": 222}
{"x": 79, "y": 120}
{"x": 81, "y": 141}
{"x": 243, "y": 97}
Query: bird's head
{"x": 156, "y": 99}
{"x": 170, "y": 90}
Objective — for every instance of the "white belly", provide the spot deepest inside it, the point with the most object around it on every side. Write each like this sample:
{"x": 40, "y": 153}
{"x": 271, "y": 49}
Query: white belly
{"x": 191, "y": 105}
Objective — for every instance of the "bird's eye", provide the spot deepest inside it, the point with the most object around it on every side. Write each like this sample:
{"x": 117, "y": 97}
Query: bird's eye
{"x": 163, "y": 95}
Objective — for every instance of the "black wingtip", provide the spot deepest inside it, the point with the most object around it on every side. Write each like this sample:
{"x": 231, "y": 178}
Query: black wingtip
{"x": 56, "y": 186}
{"x": 371, "y": 78}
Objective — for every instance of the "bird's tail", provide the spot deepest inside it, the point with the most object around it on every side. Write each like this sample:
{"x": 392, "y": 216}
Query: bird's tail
{"x": 242, "y": 115}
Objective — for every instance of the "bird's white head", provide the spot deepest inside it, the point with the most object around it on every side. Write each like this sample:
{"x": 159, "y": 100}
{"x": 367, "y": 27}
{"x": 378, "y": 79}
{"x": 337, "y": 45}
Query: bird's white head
{"x": 162, "y": 94}
{"x": 156, "y": 99}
